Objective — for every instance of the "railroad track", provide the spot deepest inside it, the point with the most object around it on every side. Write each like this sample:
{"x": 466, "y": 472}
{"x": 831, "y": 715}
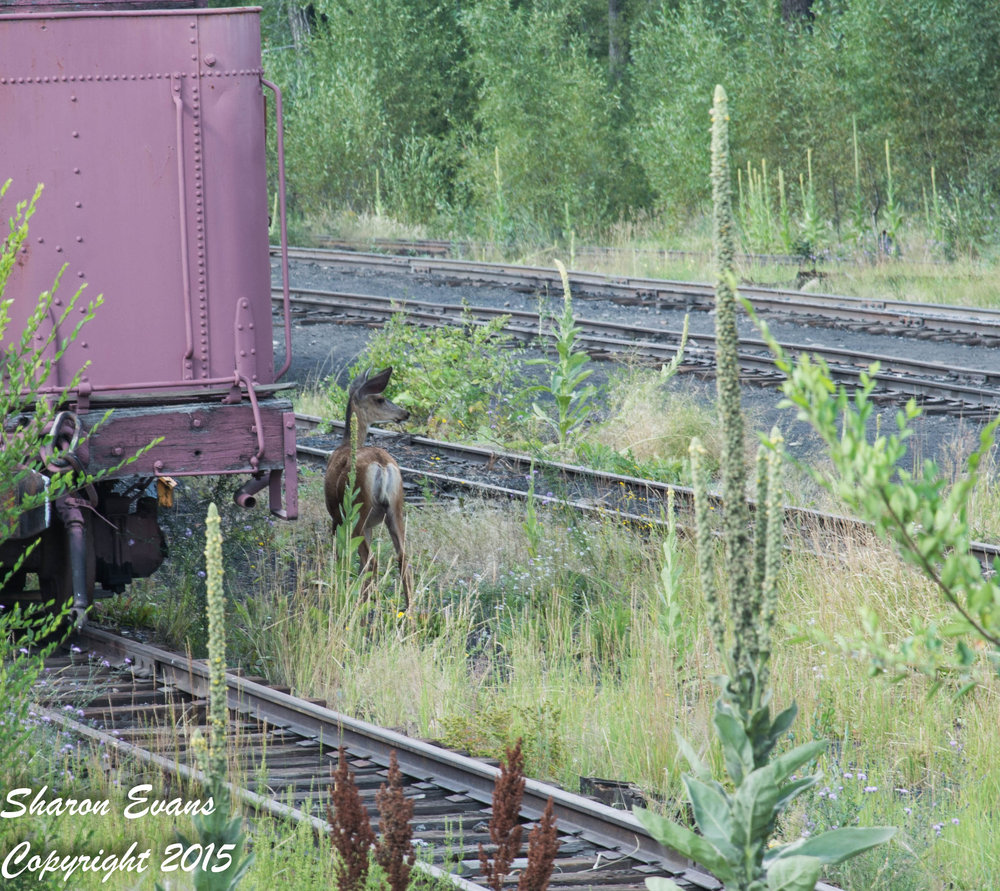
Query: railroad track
{"x": 930, "y": 321}
{"x": 640, "y": 503}
{"x": 940, "y": 388}
{"x": 141, "y": 702}
{"x": 435, "y": 247}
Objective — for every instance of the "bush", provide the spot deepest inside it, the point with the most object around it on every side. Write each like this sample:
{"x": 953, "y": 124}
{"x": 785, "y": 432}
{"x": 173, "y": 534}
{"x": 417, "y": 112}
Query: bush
{"x": 546, "y": 157}
{"x": 450, "y": 379}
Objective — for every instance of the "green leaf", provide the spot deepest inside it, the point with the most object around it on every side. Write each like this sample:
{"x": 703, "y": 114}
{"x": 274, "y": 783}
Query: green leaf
{"x": 755, "y": 804}
{"x": 712, "y": 813}
{"x": 736, "y": 746}
{"x": 698, "y": 767}
{"x": 790, "y": 791}
{"x": 794, "y": 874}
{"x": 784, "y": 765}
{"x": 686, "y": 842}
{"x": 783, "y": 721}
{"x": 837, "y": 845}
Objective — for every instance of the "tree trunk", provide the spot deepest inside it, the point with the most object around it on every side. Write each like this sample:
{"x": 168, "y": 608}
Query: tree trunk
{"x": 796, "y": 10}
{"x": 616, "y": 50}
{"x": 298, "y": 20}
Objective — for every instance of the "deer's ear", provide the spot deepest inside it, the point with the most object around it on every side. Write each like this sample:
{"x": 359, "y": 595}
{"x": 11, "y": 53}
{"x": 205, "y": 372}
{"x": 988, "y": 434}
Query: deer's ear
{"x": 378, "y": 382}
{"x": 359, "y": 383}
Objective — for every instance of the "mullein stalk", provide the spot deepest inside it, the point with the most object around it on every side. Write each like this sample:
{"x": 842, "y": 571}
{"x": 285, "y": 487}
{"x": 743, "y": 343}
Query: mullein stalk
{"x": 772, "y": 543}
{"x": 737, "y": 827}
{"x": 218, "y": 831}
{"x": 736, "y": 516}
{"x": 218, "y": 705}
{"x": 706, "y": 549}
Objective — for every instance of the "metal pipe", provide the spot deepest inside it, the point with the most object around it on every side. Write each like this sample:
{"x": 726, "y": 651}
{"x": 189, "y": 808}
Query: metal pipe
{"x": 244, "y": 496}
{"x": 280, "y": 132}
{"x": 71, "y": 515}
{"x": 175, "y": 86}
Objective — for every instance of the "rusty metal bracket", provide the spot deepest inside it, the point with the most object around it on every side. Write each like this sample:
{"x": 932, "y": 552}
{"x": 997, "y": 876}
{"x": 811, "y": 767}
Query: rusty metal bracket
{"x": 285, "y": 285}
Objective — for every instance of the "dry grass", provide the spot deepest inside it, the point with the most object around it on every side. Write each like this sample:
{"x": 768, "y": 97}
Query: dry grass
{"x": 653, "y": 422}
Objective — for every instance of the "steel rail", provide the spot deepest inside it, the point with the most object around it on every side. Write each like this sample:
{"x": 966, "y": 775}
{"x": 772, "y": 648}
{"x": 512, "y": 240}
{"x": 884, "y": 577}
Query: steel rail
{"x": 590, "y": 820}
{"x": 906, "y": 317}
{"x": 442, "y": 248}
{"x": 961, "y": 390}
{"x": 259, "y": 803}
{"x": 822, "y": 524}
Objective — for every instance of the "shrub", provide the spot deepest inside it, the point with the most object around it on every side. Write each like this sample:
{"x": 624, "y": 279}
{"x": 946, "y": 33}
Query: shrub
{"x": 453, "y": 380}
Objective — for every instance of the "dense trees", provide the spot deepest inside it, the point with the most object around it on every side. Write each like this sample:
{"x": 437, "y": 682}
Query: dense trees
{"x": 536, "y": 116}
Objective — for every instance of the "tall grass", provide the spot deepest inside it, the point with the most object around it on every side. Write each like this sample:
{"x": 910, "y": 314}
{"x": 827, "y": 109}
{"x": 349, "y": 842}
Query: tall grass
{"x": 570, "y": 650}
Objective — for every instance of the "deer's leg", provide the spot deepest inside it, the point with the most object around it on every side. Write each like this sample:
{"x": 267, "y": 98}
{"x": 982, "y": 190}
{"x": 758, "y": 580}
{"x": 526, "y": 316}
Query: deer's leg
{"x": 394, "y": 523}
{"x": 369, "y": 565}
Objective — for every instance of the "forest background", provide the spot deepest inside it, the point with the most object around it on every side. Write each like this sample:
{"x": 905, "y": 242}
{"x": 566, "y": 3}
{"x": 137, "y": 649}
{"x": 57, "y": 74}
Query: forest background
{"x": 533, "y": 121}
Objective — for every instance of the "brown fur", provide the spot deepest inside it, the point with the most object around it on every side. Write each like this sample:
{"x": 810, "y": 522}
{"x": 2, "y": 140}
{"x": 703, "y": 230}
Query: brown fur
{"x": 377, "y": 477}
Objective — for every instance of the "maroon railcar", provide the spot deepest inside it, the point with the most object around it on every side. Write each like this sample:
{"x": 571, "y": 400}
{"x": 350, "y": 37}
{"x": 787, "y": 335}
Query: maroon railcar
{"x": 146, "y": 125}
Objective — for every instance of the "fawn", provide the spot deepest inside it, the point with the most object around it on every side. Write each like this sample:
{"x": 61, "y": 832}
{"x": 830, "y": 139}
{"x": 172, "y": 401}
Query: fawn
{"x": 377, "y": 477}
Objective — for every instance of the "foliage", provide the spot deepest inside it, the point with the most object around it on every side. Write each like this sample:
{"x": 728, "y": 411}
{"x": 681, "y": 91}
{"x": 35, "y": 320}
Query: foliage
{"x": 218, "y": 831}
{"x": 516, "y": 121}
{"x": 648, "y": 426}
{"x": 27, "y": 363}
{"x": 488, "y": 730}
{"x": 736, "y": 826}
{"x": 372, "y": 92}
{"x": 540, "y": 97}
{"x": 27, "y": 637}
{"x": 505, "y": 826}
{"x": 351, "y": 834}
{"x": 927, "y": 521}
{"x": 896, "y": 70}
{"x": 353, "y": 840}
{"x": 394, "y": 851}
{"x": 676, "y": 632}
{"x": 567, "y": 373}
{"x": 451, "y": 379}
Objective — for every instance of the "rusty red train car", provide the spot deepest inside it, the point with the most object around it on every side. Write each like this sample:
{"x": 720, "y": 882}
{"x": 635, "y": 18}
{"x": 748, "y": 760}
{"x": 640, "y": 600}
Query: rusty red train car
{"x": 146, "y": 123}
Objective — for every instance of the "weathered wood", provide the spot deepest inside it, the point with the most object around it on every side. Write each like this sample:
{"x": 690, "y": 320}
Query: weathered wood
{"x": 197, "y": 438}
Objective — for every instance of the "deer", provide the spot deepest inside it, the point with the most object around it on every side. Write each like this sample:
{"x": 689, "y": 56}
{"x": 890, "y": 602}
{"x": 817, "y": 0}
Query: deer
{"x": 377, "y": 478}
